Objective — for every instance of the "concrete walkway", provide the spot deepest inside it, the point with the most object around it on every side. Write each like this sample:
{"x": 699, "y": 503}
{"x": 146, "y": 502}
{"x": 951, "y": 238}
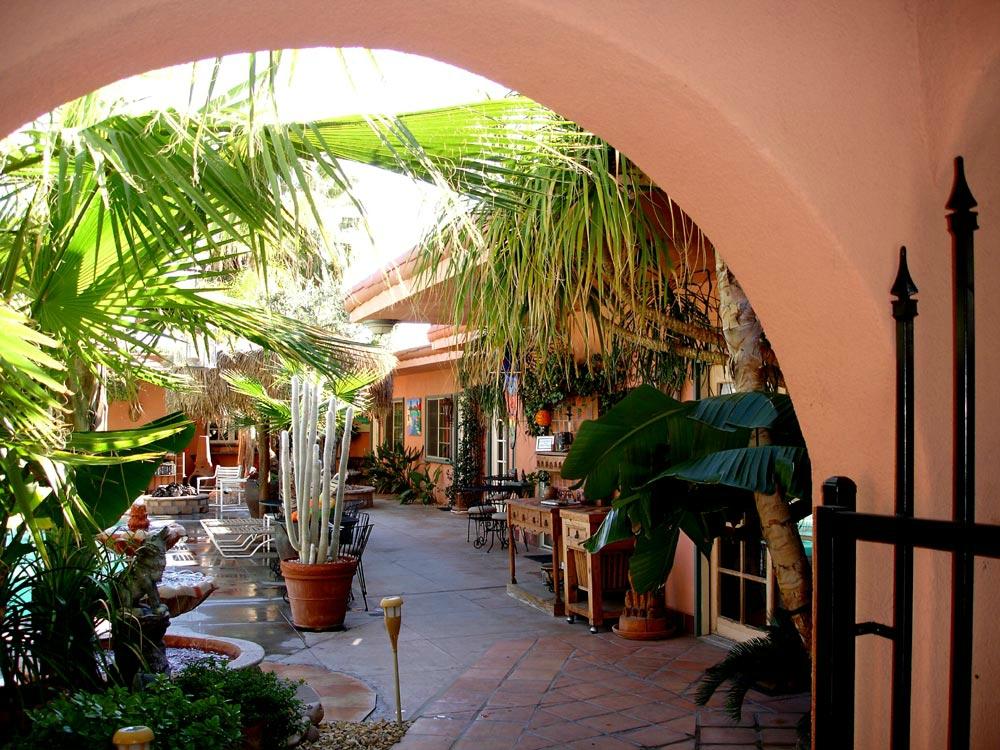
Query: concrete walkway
{"x": 478, "y": 669}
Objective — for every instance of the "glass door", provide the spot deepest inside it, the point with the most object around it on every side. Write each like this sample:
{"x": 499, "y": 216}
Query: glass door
{"x": 500, "y": 463}
{"x": 742, "y": 581}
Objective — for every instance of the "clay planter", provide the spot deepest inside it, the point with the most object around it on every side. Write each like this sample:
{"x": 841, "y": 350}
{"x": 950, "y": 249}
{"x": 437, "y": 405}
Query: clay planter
{"x": 318, "y": 593}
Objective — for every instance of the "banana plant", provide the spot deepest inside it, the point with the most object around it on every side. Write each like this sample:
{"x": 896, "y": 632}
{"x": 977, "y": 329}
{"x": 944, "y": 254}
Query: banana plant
{"x": 672, "y": 467}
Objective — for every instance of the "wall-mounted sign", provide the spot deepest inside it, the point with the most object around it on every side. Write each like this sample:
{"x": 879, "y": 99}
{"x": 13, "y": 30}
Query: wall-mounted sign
{"x": 413, "y": 406}
{"x": 544, "y": 443}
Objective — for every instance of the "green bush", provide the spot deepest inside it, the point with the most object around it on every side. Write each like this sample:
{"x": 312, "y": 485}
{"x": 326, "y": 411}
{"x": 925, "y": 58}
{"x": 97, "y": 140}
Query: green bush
{"x": 388, "y": 468}
{"x": 421, "y": 489}
{"x": 263, "y": 697}
{"x": 89, "y": 720}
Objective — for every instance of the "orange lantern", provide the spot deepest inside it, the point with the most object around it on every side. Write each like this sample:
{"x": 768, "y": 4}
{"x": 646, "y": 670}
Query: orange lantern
{"x": 543, "y": 417}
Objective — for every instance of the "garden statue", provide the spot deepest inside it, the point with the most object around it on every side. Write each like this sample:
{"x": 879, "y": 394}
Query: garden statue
{"x": 142, "y": 620}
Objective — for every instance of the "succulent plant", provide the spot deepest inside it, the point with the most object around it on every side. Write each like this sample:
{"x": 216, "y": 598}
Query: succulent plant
{"x": 318, "y": 490}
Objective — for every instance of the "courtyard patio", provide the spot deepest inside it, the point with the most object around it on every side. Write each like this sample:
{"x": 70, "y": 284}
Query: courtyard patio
{"x": 479, "y": 669}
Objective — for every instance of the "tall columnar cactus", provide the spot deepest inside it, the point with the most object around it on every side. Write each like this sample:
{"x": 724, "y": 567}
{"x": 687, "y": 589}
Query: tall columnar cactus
{"x": 311, "y": 477}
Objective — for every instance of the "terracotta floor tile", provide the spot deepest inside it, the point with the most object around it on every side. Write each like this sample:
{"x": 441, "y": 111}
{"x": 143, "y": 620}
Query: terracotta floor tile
{"x": 577, "y": 710}
{"x": 654, "y": 712}
{"x": 652, "y": 736}
{"x": 612, "y": 723}
{"x": 722, "y": 719}
{"x": 727, "y": 735}
{"x": 485, "y": 744}
{"x": 617, "y": 701}
{"x": 778, "y": 720}
{"x": 344, "y": 713}
{"x": 486, "y": 730}
{"x": 509, "y": 700}
{"x": 514, "y": 713}
{"x": 438, "y": 727}
{"x": 532, "y": 742}
{"x": 564, "y": 732}
{"x": 683, "y": 723}
{"x": 600, "y": 743}
{"x": 779, "y": 736}
{"x": 543, "y": 718}
{"x": 423, "y": 742}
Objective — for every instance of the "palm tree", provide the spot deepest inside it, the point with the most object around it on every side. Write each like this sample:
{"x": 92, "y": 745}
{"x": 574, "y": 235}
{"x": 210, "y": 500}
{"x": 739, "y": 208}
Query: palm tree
{"x": 576, "y": 242}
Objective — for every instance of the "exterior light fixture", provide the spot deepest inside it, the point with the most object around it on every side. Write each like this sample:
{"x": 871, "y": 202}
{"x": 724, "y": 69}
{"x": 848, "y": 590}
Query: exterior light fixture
{"x": 392, "y": 606}
{"x": 380, "y": 327}
{"x": 133, "y": 738}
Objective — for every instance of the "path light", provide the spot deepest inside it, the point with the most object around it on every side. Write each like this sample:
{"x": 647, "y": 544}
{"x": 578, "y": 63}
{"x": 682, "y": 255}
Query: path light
{"x": 392, "y": 606}
{"x": 133, "y": 738}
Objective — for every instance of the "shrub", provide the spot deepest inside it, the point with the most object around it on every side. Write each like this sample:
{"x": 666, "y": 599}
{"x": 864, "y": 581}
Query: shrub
{"x": 263, "y": 697}
{"x": 90, "y": 720}
{"x": 421, "y": 489}
{"x": 388, "y": 468}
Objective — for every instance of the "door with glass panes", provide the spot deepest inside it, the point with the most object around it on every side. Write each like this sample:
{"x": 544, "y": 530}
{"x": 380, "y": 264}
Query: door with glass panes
{"x": 742, "y": 592}
{"x": 500, "y": 458}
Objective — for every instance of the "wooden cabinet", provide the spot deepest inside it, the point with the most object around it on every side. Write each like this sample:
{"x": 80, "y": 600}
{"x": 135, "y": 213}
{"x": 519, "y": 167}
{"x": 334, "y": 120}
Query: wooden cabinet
{"x": 594, "y": 585}
{"x": 529, "y": 515}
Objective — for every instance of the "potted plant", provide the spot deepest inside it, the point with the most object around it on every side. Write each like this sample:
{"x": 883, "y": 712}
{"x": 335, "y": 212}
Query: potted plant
{"x": 319, "y": 581}
{"x": 541, "y": 479}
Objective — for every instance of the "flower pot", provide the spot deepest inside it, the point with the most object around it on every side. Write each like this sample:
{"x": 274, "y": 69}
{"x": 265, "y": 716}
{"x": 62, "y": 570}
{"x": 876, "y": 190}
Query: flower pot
{"x": 318, "y": 593}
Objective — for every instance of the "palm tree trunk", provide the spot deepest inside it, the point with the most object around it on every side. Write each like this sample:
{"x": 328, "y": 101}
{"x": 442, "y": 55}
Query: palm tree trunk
{"x": 264, "y": 461}
{"x": 750, "y": 361}
{"x": 89, "y": 399}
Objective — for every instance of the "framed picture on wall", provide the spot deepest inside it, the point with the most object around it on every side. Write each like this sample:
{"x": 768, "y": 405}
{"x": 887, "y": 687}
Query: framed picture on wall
{"x": 413, "y": 416}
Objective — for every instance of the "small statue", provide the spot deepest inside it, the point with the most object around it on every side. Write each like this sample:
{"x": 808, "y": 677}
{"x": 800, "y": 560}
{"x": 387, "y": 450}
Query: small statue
{"x": 138, "y": 582}
{"x": 138, "y": 516}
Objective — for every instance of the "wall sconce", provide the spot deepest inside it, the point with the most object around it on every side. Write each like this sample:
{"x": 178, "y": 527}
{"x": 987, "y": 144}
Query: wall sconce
{"x": 392, "y": 606}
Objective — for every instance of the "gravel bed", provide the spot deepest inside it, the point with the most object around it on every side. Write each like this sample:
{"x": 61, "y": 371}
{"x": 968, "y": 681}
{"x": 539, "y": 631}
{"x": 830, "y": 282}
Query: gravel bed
{"x": 365, "y": 735}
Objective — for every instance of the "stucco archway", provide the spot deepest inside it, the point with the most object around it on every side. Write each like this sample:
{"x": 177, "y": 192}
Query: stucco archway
{"x": 808, "y": 141}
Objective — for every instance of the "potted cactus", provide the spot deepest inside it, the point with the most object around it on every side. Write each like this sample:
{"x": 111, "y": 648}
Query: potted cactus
{"x": 319, "y": 581}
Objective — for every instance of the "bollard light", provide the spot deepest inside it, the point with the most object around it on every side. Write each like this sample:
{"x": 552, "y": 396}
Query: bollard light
{"x": 133, "y": 738}
{"x": 392, "y": 606}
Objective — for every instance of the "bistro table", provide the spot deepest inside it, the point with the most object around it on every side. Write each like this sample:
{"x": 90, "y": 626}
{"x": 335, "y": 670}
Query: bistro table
{"x": 531, "y": 516}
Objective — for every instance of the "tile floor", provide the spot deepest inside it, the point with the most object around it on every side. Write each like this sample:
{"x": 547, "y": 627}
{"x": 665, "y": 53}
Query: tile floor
{"x": 478, "y": 669}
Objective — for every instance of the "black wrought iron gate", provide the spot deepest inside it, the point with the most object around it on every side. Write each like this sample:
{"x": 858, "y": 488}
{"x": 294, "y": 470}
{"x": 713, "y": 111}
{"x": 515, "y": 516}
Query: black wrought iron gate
{"x": 839, "y": 527}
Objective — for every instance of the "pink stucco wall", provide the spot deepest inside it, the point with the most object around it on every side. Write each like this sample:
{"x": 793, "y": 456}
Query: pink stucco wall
{"x": 809, "y": 140}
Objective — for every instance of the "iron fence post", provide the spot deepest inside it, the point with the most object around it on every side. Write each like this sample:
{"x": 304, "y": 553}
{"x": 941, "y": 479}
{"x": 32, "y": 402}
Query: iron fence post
{"x": 835, "y": 560}
{"x": 904, "y": 310}
{"x": 962, "y": 224}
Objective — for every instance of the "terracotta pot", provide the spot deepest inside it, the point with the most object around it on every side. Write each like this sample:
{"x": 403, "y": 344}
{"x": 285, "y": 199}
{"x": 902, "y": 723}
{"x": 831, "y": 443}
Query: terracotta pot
{"x": 543, "y": 417}
{"x": 318, "y": 593}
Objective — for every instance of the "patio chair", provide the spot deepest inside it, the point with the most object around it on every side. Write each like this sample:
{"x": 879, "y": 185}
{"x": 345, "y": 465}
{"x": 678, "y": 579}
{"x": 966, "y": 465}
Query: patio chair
{"x": 355, "y": 547}
{"x": 227, "y": 487}
{"x": 239, "y": 537}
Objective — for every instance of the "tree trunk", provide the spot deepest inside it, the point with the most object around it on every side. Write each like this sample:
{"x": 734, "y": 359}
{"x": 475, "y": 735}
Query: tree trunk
{"x": 751, "y": 361}
{"x": 89, "y": 399}
{"x": 264, "y": 461}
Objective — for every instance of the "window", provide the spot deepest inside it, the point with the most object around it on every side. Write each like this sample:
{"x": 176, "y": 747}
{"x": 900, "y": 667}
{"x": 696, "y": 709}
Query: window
{"x": 440, "y": 428}
{"x": 395, "y": 424}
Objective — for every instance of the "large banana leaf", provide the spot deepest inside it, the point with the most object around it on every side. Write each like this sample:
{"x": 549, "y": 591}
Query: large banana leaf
{"x": 757, "y": 469}
{"x": 683, "y": 468}
{"x": 107, "y": 490}
{"x": 615, "y": 447}
{"x": 752, "y": 410}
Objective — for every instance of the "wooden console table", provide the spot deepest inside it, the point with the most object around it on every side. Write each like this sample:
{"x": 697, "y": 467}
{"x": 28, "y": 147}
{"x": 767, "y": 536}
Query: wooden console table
{"x": 529, "y": 515}
{"x": 589, "y": 579}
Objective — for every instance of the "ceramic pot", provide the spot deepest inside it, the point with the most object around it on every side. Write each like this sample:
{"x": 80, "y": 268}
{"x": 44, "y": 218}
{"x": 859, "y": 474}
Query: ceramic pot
{"x": 318, "y": 593}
